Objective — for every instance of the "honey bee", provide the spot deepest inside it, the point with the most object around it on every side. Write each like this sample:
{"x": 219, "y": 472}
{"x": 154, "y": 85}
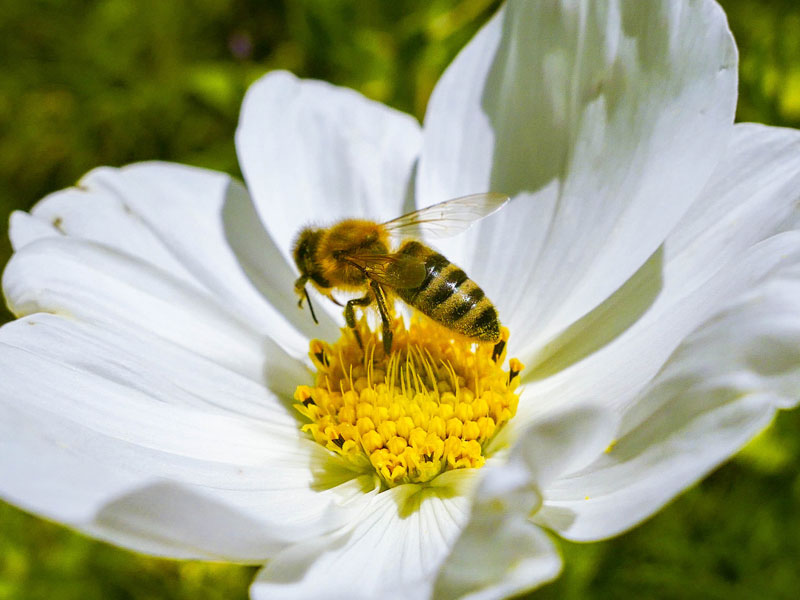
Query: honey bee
{"x": 355, "y": 255}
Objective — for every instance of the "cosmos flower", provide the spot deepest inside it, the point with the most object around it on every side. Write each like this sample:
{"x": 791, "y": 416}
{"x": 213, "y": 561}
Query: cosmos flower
{"x": 162, "y": 391}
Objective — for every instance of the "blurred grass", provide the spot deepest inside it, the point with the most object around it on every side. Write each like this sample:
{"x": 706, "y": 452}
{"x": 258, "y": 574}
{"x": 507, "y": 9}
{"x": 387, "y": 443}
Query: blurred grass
{"x": 86, "y": 83}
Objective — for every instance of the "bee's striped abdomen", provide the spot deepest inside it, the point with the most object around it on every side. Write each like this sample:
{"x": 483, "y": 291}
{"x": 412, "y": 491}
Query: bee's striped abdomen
{"x": 449, "y": 297}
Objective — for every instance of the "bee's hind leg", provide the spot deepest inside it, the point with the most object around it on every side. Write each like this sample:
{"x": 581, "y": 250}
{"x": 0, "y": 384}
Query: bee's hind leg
{"x": 350, "y": 315}
{"x": 380, "y": 298}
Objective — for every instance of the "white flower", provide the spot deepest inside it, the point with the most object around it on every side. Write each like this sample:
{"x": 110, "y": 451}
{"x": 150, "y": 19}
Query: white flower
{"x": 648, "y": 269}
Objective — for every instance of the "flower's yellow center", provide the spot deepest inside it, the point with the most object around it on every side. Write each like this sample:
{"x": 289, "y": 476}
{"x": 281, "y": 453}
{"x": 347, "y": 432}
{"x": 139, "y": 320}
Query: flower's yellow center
{"x": 432, "y": 405}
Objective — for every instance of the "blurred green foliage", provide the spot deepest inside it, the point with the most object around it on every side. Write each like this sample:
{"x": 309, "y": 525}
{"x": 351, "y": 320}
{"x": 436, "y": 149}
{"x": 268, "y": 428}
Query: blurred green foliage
{"x": 91, "y": 82}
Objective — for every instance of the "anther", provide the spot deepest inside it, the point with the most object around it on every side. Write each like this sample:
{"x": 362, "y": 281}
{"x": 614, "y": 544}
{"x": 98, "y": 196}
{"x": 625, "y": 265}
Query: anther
{"x": 514, "y": 369}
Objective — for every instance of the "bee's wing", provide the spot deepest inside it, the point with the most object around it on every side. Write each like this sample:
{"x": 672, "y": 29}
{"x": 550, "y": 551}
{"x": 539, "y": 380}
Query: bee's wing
{"x": 447, "y": 218}
{"x": 396, "y": 271}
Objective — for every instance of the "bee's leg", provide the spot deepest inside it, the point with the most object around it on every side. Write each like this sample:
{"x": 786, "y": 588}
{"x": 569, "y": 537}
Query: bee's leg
{"x": 330, "y": 297}
{"x": 350, "y": 315}
{"x": 380, "y": 298}
{"x": 300, "y": 290}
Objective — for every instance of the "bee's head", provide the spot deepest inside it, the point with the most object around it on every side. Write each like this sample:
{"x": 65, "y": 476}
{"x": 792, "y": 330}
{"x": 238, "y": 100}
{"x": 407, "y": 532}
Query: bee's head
{"x": 303, "y": 250}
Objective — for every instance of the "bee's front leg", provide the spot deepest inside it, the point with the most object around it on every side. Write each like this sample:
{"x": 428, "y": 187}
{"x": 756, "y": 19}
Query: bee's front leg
{"x": 300, "y": 290}
{"x": 350, "y": 315}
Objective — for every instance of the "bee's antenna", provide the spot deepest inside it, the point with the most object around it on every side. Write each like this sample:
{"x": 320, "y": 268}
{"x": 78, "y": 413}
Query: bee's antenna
{"x": 310, "y": 306}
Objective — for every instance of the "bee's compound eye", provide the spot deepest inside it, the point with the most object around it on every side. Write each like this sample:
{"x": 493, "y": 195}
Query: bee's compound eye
{"x": 303, "y": 247}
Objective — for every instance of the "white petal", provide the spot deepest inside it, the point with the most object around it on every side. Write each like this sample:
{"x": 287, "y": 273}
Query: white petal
{"x": 393, "y": 552}
{"x": 314, "y": 153}
{"x": 714, "y": 254}
{"x": 720, "y": 388}
{"x": 562, "y": 441}
{"x": 144, "y": 362}
{"x": 498, "y": 556}
{"x": 97, "y": 284}
{"x": 198, "y": 225}
{"x": 605, "y": 119}
{"x": 179, "y": 521}
{"x": 500, "y": 552}
{"x": 103, "y": 431}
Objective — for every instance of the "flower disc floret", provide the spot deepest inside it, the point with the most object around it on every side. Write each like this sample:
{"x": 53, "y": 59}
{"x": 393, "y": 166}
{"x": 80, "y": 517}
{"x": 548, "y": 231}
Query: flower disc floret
{"x": 431, "y": 405}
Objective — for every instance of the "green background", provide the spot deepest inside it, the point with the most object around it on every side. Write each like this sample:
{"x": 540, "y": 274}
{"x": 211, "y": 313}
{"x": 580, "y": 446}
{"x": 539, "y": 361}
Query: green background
{"x": 87, "y": 83}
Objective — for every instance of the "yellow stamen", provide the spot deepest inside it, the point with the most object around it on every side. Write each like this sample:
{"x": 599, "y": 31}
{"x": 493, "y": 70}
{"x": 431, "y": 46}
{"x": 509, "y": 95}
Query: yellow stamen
{"x": 430, "y": 406}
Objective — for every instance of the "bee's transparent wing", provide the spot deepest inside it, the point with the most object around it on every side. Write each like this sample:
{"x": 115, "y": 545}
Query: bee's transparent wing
{"x": 447, "y": 218}
{"x": 397, "y": 271}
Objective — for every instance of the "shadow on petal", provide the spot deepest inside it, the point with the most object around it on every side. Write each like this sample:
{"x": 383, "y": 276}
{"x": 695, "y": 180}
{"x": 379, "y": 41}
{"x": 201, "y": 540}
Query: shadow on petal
{"x": 264, "y": 265}
{"x": 604, "y": 324}
{"x": 170, "y": 515}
